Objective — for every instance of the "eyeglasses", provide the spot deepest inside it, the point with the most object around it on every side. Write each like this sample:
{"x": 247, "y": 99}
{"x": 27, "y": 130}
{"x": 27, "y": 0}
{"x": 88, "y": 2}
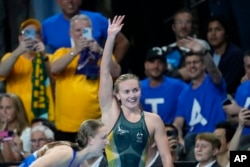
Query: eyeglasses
{"x": 33, "y": 141}
{"x": 188, "y": 63}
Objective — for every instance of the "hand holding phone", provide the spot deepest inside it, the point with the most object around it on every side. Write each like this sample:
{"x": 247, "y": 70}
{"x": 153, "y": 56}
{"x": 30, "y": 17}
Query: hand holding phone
{"x": 87, "y": 33}
{"x": 6, "y": 135}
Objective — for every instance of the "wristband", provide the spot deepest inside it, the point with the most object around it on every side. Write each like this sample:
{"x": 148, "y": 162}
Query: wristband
{"x": 72, "y": 53}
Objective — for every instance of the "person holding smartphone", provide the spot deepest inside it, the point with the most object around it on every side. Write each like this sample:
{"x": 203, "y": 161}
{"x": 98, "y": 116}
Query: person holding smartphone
{"x": 15, "y": 130}
{"x": 76, "y": 73}
{"x": 25, "y": 72}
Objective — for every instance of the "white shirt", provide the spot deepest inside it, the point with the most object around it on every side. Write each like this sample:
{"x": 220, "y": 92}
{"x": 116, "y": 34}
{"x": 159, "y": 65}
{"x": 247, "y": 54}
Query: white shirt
{"x": 208, "y": 165}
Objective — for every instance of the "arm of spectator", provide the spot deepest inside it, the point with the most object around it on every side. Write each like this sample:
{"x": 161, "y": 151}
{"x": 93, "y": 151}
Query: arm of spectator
{"x": 179, "y": 124}
{"x": 121, "y": 47}
{"x": 60, "y": 64}
{"x": 232, "y": 109}
{"x": 7, "y": 64}
{"x": 244, "y": 118}
{"x": 212, "y": 70}
{"x": 197, "y": 48}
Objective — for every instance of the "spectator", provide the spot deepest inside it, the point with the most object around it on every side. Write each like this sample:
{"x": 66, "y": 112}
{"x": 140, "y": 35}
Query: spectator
{"x": 183, "y": 26}
{"x": 225, "y": 53}
{"x": 242, "y": 96}
{"x": 90, "y": 142}
{"x": 45, "y": 122}
{"x": 159, "y": 93}
{"x": 206, "y": 148}
{"x": 14, "y": 119}
{"x": 40, "y": 135}
{"x": 225, "y": 132}
{"x": 246, "y": 77}
{"x": 130, "y": 127}
{"x": 56, "y": 29}
{"x": 154, "y": 159}
{"x": 200, "y": 106}
{"x": 77, "y": 85}
{"x": 20, "y": 71}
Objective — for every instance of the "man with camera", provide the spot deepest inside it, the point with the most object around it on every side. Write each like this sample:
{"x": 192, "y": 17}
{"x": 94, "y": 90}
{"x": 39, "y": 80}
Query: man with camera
{"x": 76, "y": 73}
{"x": 25, "y": 72}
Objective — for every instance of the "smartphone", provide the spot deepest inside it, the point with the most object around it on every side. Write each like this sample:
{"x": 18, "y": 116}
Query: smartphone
{"x": 227, "y": 101}
{"x": 30, "y": 33}
{"x": 87, "y": 33}
{"x": 7, "y": 135}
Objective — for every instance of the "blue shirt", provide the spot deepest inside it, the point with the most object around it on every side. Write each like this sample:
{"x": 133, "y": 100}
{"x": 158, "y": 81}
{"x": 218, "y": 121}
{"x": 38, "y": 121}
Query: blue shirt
{"x": 56, "y": 30}
{"x": 202, "y": 107}
{"x": 163, "y": 98}
{"x": 242, "y": 97}
{"x": 29, "y": 160}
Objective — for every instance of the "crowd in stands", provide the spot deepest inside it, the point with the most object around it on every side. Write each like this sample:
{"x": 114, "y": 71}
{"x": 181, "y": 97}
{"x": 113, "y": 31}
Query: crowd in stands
{"x": 187, "y": 100}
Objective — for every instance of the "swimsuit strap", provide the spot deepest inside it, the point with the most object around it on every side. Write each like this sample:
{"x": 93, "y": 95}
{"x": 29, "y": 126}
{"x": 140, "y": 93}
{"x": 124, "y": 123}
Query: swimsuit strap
{"x": 74, "y": 156}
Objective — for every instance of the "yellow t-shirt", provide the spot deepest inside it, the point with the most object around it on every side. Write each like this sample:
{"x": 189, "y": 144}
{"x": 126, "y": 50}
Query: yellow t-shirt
{"x": 76, "y": 97}
{"x": 19, "y": 81}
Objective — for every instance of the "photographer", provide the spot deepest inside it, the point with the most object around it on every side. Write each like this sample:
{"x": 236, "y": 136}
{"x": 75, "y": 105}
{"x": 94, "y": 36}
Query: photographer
{"x": 25, "y": 72}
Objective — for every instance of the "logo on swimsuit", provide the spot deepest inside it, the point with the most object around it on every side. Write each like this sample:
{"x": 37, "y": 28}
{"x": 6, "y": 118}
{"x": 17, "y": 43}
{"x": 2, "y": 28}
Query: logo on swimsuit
{"x": 139, "y": 137}
{"x": 122, "y": 131}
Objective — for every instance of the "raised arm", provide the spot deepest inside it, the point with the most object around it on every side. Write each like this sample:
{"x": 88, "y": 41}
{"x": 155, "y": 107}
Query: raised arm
{"x": 197, "y": 48}
{"x": 106, "y": 82}
{"x": 7, "y": 64}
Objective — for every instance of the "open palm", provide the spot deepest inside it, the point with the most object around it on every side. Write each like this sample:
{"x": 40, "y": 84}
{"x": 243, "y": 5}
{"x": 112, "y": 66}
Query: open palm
{"x": 116, "y": 25}
{"x": 193, "y": 44}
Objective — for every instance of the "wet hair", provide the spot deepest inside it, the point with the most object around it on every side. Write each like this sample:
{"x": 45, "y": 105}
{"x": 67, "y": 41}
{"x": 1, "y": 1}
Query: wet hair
{"x": 211, "y": 138}
{"x": 122, "y": 78}
{"x": 88, "y": 128}
{"x": 229, "y": 129}
{"x": 80, "y": 17}
{"x": 21, "y": 117}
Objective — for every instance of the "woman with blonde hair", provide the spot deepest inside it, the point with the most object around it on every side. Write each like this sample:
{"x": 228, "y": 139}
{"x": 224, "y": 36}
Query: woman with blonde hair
{"x": 14, "y": 121}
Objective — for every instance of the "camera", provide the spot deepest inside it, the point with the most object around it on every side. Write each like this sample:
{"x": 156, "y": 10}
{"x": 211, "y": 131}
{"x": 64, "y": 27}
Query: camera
{"x": 172, "y": 133}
